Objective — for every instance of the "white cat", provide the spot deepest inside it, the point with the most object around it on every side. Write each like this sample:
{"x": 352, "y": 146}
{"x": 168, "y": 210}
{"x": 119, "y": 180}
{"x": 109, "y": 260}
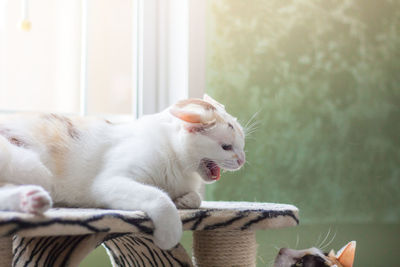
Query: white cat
{"x": 151, "y": 164}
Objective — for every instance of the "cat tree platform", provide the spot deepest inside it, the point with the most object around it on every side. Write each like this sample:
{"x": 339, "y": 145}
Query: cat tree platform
{"x": 223, "y": 235}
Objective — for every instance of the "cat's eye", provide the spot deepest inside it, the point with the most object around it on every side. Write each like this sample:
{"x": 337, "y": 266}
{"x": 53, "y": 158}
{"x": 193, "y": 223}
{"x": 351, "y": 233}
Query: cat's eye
{"x": 226, "y": 147}
{"x": 299, "y": 263}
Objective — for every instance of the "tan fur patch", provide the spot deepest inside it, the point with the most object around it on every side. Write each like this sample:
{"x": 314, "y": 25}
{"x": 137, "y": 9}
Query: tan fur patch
{"x": 57, "y": 133}
{"x": 69, "y": 126}
{"x": 12, "y": 139}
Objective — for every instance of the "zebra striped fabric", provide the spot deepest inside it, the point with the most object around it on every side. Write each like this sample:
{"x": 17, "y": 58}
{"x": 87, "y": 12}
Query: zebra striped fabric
{"x": 64, "y": 237}
{"x": 124, "y": 250}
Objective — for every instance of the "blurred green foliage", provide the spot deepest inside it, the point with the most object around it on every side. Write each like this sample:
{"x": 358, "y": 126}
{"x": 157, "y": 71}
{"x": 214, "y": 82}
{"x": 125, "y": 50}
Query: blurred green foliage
{"x": 324, "y": 77}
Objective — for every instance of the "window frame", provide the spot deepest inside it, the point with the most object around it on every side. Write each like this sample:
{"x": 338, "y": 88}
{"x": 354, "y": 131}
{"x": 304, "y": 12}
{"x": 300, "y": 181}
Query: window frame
{"x": 173, "y": 52}
{"x": 168, "y": 59}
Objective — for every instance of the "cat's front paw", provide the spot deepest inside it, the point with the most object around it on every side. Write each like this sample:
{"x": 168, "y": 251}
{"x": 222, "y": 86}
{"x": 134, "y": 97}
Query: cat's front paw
{"x": 34, "y": 199}
{"x": 191, "y": 200}
{"x": 167, "y": 224}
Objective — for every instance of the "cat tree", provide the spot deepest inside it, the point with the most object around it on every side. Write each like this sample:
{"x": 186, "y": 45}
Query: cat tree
{"x": 223, "y": 235}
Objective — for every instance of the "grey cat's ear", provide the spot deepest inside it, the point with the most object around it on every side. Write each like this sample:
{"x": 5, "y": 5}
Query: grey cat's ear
{"x": 212, "y": 101}
{"x": 196, "y": 113}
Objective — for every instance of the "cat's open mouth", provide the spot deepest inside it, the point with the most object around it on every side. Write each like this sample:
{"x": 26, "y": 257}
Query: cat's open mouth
{"x": 209, "y": 170}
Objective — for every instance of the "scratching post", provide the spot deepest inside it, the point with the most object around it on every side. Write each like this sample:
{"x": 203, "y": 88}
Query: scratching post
{"x": 224, "y": 248}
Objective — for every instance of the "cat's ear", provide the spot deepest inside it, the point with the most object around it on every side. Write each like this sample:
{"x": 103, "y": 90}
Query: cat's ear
{"x": 346, "y": 254}
{"x": 196, "y": 113}
{"x": 332, "y": 254}
{"x": 212, "y": 101}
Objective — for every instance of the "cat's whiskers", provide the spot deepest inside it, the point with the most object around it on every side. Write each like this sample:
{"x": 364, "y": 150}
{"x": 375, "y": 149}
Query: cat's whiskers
{"x": 319, "y": 238}
{"x": 251, "y": 125}
{"x": 297, "y": 240}
{"x": 250, "y": 128}
{"x": 326, "y": 237}
{"x": 250, "y": 131}
{"x": 330, "y": 242}
{"x": 249, "y": 136}
{"x": 228, "y": 165}
{"x": 251, "y": 119}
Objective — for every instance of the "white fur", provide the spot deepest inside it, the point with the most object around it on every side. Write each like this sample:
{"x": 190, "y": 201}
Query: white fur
{"x": 140, "y": 165}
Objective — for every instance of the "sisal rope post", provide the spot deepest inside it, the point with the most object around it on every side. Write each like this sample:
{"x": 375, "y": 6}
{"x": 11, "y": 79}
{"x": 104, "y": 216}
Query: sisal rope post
{"x": 224, "y": 248}
{"x": 6, "y": 255}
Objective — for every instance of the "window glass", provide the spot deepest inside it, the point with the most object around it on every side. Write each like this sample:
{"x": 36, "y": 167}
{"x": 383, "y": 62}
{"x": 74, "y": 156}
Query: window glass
{"x": 110, "y": 56}
{"x": 39, "y": 69}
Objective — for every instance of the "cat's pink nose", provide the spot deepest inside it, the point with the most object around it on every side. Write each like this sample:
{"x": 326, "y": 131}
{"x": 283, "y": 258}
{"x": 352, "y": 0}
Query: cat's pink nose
{"x": 241, "y": 157}
{"x": 241, "y": 160}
